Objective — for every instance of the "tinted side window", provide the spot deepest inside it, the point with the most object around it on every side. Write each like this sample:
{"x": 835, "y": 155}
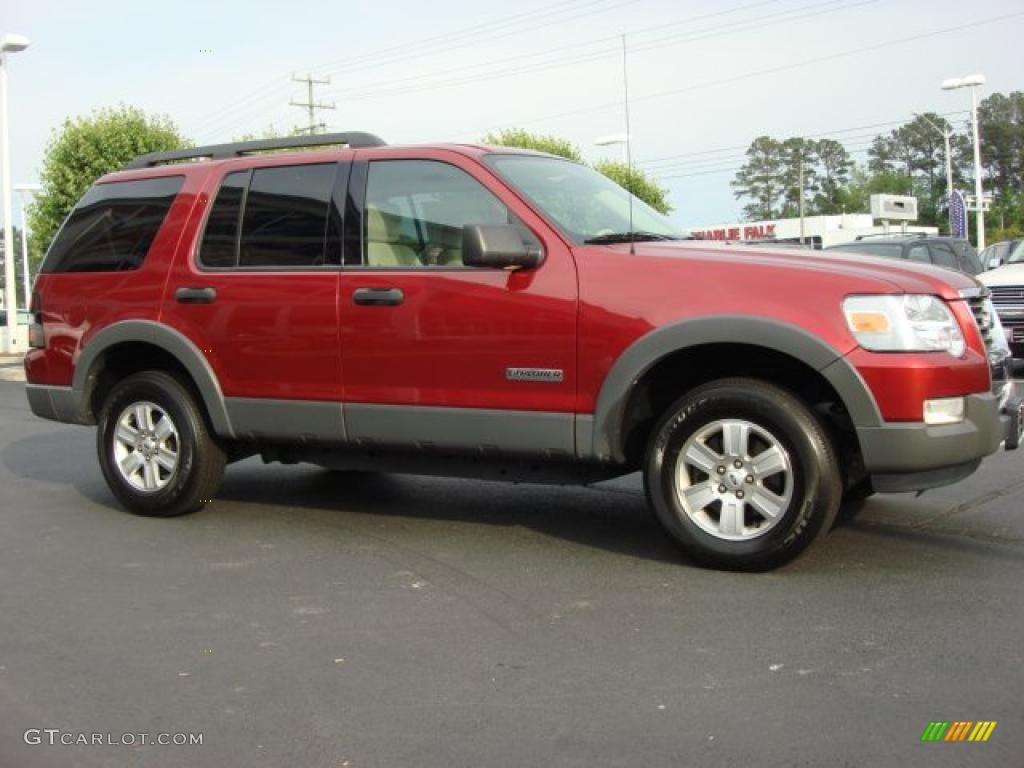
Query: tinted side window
{"x": 285, "y": 218}
{"x": 220, "y": 238}
{"x": 112, "y": 226}
{"x": 415, "y": 211}
{"x": 943, "y": 255}
{"x": 919, "y": 253}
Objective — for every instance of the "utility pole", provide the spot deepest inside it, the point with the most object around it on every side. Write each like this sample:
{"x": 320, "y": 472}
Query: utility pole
{"x": 310, "y": 105}
{"x": 803, "y": 209}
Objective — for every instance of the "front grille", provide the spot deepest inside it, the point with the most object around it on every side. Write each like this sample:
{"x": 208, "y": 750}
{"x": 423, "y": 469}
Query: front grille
{"x": 1007, "y": 295}
{"x": 983, "y": 317}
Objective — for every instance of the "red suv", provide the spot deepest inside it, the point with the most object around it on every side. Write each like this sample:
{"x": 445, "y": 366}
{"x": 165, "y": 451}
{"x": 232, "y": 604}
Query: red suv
{"x": 503, "y": 314}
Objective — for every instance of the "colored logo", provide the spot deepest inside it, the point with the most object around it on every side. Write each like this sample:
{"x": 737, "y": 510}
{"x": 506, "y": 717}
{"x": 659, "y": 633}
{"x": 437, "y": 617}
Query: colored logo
{"x": 958, "y": 730}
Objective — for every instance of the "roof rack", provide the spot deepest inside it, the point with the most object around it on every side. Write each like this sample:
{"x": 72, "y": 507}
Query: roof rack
{"x": 353, "y": 139}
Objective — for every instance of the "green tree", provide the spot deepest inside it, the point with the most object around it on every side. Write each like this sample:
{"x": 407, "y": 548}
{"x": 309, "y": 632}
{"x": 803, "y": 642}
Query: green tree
{"x": 799, "y": 154}
{"x": 834, "y": 168}
{"x": 84, "y": 149}
{"x": 519, "y": 137}
{"x": 636, "y": 181}
{"x": 855, "y": 196}
{"x": 917, "y": 150}
{"x": 270, "y": 132}
{"x": 761, "y": 179}
{"x": 632, "y": 179}
{"x": 1001, "y": 119}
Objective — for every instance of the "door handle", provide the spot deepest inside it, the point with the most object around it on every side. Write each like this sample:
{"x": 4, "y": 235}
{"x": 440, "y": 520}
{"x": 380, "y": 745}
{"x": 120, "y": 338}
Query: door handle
{"x": 378, "y": 296}
{"x": 195, "y": 295}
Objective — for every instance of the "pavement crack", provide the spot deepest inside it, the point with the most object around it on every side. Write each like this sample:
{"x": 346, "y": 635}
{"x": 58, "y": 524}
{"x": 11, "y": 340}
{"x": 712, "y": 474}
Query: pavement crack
{"x": 976, "y": 503}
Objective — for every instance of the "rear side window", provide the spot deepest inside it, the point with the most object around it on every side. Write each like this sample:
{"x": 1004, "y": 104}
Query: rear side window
{"x": 220, "y": 240}
{"x": 113, "y": 226}
{"x": 270, "y": 218}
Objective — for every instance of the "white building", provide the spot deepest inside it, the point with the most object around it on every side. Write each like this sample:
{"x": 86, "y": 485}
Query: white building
{"x": 819, "y": 231}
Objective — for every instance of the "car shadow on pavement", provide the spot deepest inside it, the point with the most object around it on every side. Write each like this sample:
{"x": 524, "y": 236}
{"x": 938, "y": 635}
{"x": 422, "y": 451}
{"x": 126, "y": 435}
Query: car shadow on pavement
{"x": 609, "y": 519}
{"x": 74, "y": 449}
{"x": 609, "y": 516}
{"x": 614, "y": 520}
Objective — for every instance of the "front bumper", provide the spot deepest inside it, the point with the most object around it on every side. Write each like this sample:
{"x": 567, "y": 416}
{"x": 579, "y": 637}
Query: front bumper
{"x": 913, "y": 456}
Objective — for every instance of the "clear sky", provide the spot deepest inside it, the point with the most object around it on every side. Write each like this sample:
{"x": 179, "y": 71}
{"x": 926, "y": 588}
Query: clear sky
{"x": 704, "y": 77}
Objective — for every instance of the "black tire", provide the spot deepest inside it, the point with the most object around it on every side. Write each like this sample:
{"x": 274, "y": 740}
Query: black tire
{"x": 200, "y": 459}
{"x": 812, "y": 480}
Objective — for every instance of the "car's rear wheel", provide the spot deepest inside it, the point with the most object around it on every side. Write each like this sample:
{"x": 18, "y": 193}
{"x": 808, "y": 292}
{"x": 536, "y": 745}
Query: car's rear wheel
{"x": 742, "y": 475}
{"x": 156, "y": 452}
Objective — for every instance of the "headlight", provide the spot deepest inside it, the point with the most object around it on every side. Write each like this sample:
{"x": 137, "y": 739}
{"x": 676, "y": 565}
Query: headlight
{"x": 910, "y": 323}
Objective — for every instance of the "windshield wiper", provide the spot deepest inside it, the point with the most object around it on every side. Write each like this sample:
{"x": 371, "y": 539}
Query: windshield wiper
{"x": 627, "y": 237}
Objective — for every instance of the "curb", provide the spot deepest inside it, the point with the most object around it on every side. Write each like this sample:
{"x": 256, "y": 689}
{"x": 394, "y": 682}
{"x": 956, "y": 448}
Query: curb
{"x": 12, "y": 372}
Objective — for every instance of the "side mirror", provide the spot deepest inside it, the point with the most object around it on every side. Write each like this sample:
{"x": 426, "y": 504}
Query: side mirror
{"x": 499, "y": 246}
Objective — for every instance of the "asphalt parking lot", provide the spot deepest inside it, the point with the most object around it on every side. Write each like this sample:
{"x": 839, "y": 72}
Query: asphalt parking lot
{"x": 312, "y": 619}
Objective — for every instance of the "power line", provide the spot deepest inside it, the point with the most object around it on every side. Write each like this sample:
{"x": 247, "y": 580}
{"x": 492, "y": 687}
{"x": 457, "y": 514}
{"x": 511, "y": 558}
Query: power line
{"x": 822, "y": 134}
{"x": 450, "y": 41}
{"x": 518, "y": 59}
{"x": 765, "y": 71}
{"x": 383, "y": 89}
{"x": 227, "y": 112}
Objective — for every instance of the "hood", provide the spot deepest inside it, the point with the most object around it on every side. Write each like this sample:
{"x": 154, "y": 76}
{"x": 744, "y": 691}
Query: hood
{"x": 883, "y": 275}
{"x": 1008, "y": 274}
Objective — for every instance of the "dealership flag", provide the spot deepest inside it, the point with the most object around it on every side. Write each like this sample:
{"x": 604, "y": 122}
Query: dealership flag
{"x": 957, "y": 215}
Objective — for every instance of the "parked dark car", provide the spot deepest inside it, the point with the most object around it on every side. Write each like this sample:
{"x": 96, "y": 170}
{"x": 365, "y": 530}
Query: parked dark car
{"x": 950, "y": 252}
{"x": 1001, "y": 253}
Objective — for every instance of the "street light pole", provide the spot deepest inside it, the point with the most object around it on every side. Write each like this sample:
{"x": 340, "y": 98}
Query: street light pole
{"x": 973, "y": 82}
{"x": 26, "y": 274}
{"x": 979, "y": 200}
{"x": 947, "y": 134}
{"x": 8, "y": 44}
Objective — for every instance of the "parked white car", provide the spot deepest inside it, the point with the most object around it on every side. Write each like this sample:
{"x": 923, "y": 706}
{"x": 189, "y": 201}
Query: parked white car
{"x": 1007, "y": 286}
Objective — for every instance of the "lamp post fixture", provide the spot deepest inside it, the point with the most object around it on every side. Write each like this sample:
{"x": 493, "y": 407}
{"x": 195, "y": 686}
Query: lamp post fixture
{"x": 9, "y": 43}
{"x": 615, "y": 138}
{"x": 26, "y": 275}
{"x": 973, "y": 82}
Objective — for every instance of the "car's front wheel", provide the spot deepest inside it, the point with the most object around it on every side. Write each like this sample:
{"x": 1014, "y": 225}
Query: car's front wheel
{"x": 155, "y": 450}
{"x": 742, "y": 474}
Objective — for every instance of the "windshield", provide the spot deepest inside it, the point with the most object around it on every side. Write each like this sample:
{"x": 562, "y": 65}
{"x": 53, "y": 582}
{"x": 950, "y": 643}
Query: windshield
{"x": 584, "y": 204}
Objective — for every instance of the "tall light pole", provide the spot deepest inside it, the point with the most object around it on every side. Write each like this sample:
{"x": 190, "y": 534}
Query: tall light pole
{"x": 26, "y": 275}
{"x": 973, "y": 82}
{"x": 8, "y": 44}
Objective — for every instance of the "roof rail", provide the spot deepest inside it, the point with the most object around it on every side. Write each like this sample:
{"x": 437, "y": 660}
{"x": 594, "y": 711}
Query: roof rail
{"x": 353, "y": 139}
{"x": 893, "y": 235}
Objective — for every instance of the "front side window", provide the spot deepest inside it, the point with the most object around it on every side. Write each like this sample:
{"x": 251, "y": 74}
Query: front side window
{"x": 415, "y": 211}
{"x": 270, "y": 218}
{"x": 113, "y": 226}
{"x": 586, "y": 205}
{"x": 943, "y": 256}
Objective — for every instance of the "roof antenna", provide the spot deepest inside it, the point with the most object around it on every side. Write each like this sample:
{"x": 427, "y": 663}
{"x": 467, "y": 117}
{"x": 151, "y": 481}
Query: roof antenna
{"x": 629, "y": 150}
